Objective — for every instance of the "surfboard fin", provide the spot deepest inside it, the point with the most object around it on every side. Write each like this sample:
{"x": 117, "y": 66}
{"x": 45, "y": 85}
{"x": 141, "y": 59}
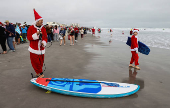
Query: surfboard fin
{"x": 48, "y": 91}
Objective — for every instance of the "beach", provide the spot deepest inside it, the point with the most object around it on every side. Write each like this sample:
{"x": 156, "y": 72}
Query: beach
{"x": 90, "y": 58}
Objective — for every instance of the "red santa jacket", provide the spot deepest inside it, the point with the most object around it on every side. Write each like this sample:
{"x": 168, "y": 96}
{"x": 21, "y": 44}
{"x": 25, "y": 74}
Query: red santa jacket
{"x": 134, "y": 43}
{"x": 76, "y": 30}
{"x": 93, "y": 30}
{"x": 35, "y": 44}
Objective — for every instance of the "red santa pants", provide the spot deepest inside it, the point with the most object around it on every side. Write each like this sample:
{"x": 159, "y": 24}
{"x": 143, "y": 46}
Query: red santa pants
{"x": 134, "y": 58}
{"x": 37, "y": 62}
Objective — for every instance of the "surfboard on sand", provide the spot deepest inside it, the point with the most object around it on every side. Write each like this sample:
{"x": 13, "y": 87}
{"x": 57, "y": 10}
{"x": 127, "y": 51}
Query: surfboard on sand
{"x": 85, "y": 87}
{"x": 142, "y": 47}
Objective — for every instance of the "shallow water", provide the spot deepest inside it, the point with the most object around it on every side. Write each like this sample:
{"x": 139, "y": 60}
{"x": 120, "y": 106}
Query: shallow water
{"x": 154, "y": 37}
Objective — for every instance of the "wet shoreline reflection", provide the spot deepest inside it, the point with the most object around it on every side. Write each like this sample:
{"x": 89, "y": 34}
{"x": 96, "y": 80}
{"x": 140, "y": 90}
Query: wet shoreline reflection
{"x": 132, "y": 79}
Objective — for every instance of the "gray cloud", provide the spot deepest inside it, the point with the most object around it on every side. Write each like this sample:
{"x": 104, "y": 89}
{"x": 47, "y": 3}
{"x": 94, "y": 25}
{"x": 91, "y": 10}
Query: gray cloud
{"x": 100, "y": 13}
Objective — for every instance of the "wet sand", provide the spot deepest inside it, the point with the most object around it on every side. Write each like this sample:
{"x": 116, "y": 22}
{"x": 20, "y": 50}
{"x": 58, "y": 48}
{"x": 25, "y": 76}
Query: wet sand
{"x": 89, "y": 59}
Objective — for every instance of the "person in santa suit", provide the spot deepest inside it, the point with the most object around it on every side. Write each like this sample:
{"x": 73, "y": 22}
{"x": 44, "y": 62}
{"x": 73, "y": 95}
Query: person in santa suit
{"x": 76, "y": 30}
{"x": 134, "y": 49}
{"x": 93, "y": 31}
{"x": 37, "y": 36}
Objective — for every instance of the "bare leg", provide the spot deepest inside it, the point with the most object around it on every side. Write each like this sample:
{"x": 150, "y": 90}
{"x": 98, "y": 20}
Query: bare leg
{"x": 70, "y": 40}
{"x": 73, "y": 39}
{"x": 61, "y": 40}
{"x": 18, "y": 40}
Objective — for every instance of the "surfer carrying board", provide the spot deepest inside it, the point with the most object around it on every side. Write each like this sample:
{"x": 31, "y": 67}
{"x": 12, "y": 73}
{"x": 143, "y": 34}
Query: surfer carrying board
{"x": 38, "y": 39}
{"x": 134, "y": 49}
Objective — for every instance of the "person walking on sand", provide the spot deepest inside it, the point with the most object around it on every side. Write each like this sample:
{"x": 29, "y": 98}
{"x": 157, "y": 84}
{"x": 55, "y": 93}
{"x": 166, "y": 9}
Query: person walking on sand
{"x": 76, "y": 30}
{"x": 85, "y": 31}
{"x": 48, "y": 30}
{"x": 24, "y": 32}
{"x": 134, "y": 49}
{"x": 38, "y": 39}
{"x": 18, "y": 33}
{"x": 3, "y": 38}
{"x": 62, "y": 36}
{"x": 10, "y": 34}
{"x": 82, "y": 32}
{"x": 71, "y": 32}
{"x": 55, "y": 32}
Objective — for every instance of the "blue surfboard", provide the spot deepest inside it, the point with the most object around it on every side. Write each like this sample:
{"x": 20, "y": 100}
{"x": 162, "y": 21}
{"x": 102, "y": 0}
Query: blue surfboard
{"x": 85, "y": 87}
{"x": 142, "y": 48}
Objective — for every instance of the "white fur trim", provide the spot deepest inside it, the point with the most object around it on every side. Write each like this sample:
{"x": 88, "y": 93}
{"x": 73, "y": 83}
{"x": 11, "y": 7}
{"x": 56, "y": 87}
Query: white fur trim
{"x": 45, "y": 43}
{"x": 35, "y": 36}
{"x": 136, "y": 49}
{"x": 39, "y": 52}
{"x": 38, "y": 19}
{"x": 136, "y": 31}
{"x": 132, "y": 49}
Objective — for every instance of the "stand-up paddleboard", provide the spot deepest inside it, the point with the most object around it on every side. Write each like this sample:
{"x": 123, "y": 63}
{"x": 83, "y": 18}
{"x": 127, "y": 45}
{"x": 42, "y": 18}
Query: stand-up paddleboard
{"x": 142, "y": 47}
{"x": 85, "y": 87}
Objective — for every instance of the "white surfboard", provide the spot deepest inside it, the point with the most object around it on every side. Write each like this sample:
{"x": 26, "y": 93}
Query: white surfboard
{"x": 86, "y": 88}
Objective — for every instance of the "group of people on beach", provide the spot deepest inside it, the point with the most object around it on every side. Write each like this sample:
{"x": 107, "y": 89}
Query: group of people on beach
{"x": 16, "y": 34}
{"x": 39, "y": 35}
{"x": 57, "y": 33}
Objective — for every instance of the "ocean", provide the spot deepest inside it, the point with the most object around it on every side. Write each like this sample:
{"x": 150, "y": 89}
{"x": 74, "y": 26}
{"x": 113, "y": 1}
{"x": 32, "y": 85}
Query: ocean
{"x": 153, "y": 37}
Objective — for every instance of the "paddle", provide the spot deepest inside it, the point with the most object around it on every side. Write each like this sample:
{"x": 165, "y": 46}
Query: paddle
{"x": 109, "y": 84}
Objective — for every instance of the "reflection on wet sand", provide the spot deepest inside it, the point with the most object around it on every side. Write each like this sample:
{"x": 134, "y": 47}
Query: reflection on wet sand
{"x": 133, "y": 80}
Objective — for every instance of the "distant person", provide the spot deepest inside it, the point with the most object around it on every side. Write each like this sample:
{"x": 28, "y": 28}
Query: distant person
{"x": 76, "y": 30}
{"x": 89, "y": 30}
{"x": 62, "y": 36}
{"x": 82, "y": 32}
{"x": 38, "y": 39}
{"x": 24, "y": 32}
{"x": 51, "y": 29}
{"x": 85, "y": 31}
{"x": 99, "y": 30}
{"x": 18, "y": 33}
{"x": 58, "y": 30}
{"x": 134, "y": 49}
{"x": 93, "y": 31}
{"x": 131, "y": 32}
{"x": 14, "y": 39}
{"x": 10, "y": 34}
{"x": 48, "y": 30}
{"x": 71, "y": 32}
{"x": 3, "y": 38}
{"x": 55, "y": 34}
{"x": 123, "y": 32}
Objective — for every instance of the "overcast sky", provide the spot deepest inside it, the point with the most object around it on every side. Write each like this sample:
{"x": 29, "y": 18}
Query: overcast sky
{"x": 99, "y": 13}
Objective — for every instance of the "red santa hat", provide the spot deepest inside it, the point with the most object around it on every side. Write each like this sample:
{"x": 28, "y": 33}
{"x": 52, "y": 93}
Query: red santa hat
{"x": 136, "y": 30}
{"x": 37, "y": 16}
